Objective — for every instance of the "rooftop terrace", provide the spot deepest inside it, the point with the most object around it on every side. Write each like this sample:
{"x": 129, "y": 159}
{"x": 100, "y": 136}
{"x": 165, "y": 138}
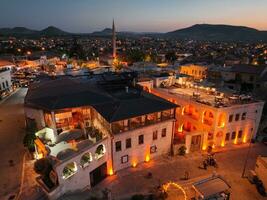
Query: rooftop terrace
{"x": 209, "y": 96}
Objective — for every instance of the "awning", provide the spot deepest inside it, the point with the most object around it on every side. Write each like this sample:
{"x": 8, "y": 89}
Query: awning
{"x": 211, "y": 186}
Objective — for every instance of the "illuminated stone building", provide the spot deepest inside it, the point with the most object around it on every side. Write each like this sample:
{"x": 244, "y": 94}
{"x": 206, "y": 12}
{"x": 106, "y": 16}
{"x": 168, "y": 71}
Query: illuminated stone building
{"x": 197, "y": 71}
{"x": 207, "y": 117}
{"x": 92, "y": 128}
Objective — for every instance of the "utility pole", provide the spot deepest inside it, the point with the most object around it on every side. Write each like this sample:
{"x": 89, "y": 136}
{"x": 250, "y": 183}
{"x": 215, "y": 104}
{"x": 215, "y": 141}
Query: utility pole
{"x": 249, "y": 149}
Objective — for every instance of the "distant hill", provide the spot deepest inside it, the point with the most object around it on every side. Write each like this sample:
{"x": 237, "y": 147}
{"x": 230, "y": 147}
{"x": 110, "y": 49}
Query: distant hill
{"x": 17, "y": 31}
{"x": 104, "y": 32}
{"x": 218, "y": 33}
{"x": 22, "y": 31}
{"x": 51, "y": 30}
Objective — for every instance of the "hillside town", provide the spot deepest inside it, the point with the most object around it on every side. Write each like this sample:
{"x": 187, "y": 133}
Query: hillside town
{"x": 121, "y": 116}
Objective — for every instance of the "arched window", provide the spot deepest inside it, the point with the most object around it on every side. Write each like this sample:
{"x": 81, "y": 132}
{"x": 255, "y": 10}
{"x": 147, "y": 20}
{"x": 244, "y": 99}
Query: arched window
{"x": 86, "y": 159}
{"x": 207, "y": 117}
{"x": 100, "y": 151}
{"x": 69, "y": 170}
{"x": 221, "y": 120}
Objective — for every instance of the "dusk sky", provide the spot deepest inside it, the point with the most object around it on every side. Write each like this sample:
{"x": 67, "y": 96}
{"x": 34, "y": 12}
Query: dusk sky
{"x": 131, "y": 15}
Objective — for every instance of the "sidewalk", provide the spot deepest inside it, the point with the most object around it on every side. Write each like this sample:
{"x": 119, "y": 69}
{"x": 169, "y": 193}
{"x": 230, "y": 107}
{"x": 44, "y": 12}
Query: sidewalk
{"x": 29, "y": 190}
{"x": 9, "y": 95}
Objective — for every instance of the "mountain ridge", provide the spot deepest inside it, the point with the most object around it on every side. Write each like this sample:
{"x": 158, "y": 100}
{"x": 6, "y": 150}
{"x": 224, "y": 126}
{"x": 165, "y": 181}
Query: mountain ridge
{"x": 211, "y": 32}
{"x": 219, "y": 32}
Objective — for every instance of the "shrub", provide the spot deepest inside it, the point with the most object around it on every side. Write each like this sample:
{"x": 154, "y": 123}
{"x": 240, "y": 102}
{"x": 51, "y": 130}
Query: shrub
{"x": 28, "y": 141}
{"x": 182, "y": 150}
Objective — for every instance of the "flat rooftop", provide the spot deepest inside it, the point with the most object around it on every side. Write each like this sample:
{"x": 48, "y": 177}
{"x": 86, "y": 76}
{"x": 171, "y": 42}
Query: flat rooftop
{"x": 114, "y": 98}
{"x": 209, "y": 96}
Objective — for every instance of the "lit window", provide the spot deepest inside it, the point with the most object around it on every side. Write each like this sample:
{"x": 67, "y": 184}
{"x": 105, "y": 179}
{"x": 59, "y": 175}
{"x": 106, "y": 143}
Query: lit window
{"x": 69, "y": 170}
{"x": 100, "y": 151}
{"x": 86, "y": 159}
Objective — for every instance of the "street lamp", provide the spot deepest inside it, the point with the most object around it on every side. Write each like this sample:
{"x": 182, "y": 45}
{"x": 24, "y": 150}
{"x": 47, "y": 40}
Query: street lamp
{"x": 249, "y": 149}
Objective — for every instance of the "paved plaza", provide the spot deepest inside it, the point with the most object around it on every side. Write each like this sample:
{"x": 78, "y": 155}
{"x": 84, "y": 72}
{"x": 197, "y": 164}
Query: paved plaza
{"x": 165, "y": 169}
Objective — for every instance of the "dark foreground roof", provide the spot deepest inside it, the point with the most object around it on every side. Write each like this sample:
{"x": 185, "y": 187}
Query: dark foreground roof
{"x": 249, "y": 69}
{"x": 113, "y": 104}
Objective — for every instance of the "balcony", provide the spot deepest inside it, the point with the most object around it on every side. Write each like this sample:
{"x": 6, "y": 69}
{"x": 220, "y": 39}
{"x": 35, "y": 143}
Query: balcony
{"x": 142, "y": 121}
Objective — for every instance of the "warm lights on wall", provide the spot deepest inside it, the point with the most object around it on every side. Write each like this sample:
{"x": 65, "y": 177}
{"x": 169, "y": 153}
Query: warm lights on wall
{"x": 147, "y": 159}
{"x": 244, "y": 139}
{"x": 110, "y": 172}
{"x": 134, "y": 164}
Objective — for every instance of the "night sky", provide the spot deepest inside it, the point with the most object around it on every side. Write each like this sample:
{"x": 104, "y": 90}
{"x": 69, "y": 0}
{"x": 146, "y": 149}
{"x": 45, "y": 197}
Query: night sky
{"x": 131, "y": 15}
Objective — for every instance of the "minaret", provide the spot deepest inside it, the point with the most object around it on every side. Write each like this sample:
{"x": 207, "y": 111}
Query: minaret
{"x": 114, "y": 54}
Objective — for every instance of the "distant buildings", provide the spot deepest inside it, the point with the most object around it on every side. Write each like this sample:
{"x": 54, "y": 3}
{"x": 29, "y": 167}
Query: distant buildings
{"x": 197, "y": 71}
{"x": 5, "y": 78}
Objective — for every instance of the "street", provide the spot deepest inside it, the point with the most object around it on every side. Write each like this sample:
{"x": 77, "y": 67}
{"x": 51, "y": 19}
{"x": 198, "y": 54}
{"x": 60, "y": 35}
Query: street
{"x": 11, "y": 147}
{"x": 133, "y": 180}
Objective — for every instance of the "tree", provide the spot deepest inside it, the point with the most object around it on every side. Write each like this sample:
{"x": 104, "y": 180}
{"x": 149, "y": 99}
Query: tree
{"x": 42, "y": 167}
{"x": 182, "y": 150}
{"x": 28, "y": 140}
{"x": 171, "y": 56}
{"x": 135, "y": 56}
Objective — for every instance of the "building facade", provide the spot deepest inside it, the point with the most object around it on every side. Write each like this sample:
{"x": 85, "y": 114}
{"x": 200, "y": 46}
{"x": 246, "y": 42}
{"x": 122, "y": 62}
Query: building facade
{"x": 88, "y": 132}
{"x": 5, "y": 81}
{"x": 207, "y": 117}
{"x": 196, "y": 71}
